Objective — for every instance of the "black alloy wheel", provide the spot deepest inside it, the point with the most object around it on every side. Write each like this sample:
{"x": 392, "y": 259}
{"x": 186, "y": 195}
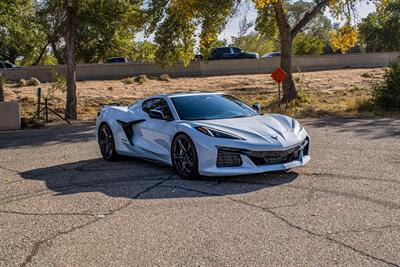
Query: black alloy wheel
{"x": 184, "y": 157}
{"x": 107, "y": 144}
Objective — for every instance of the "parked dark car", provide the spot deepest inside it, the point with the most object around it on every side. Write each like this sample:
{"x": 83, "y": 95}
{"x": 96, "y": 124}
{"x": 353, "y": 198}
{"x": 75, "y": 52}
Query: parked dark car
{"x": 8, "y": 65}
{"x": 272, "y": 55}
{"x": 117, "y": 60}
{"x": 230, "y": 53}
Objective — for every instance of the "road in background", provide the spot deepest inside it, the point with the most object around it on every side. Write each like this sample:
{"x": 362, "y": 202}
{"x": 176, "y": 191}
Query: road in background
{"x": 61, "y": 205}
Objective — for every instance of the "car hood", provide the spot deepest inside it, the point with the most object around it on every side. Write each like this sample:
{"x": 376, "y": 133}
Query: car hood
{"x": 273, "y": 130}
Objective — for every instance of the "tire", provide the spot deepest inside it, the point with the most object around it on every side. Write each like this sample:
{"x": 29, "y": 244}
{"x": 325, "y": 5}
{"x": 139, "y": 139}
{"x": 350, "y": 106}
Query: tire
{"x": 107, "y": 143}
{"x": 184, "y": 157}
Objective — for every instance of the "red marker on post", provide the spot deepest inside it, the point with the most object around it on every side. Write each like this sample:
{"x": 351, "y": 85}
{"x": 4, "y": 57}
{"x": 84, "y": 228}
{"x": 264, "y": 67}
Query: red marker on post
{"x": 279, "y": 75}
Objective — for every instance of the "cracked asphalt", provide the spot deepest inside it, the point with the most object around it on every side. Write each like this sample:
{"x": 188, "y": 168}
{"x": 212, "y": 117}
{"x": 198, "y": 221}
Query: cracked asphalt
{"x": 62, "y": 205}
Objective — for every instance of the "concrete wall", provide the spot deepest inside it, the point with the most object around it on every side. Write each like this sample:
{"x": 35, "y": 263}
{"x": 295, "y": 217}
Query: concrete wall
{"x": 9, "y": 116}
{"x": 211, "y": 68}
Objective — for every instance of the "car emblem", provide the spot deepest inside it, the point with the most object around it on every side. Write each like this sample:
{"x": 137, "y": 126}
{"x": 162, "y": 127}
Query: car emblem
{"x": 274, "y": 137}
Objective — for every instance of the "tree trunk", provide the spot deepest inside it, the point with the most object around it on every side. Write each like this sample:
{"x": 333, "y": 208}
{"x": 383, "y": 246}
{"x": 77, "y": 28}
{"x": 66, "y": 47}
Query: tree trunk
{"x": 70, "y": 109}
{"x": 1, "y": 87}
{"x": 57, "y": 53}
{"x": 289, "y": 87}
{"x": 41, "y": 55}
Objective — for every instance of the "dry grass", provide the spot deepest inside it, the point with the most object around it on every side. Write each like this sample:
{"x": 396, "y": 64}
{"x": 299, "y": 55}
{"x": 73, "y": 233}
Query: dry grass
{"x": 337, "y": 92}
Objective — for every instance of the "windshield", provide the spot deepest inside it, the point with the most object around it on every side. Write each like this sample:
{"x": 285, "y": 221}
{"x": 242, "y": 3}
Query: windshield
{"x": 210, "y": 107}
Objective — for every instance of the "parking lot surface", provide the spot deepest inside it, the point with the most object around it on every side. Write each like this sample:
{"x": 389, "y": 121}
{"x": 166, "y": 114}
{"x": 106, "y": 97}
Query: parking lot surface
{"x": 62, "y": 205}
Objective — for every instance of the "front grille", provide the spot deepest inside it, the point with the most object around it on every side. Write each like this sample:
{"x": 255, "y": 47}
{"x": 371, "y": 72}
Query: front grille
{"x": 230, "y": 157}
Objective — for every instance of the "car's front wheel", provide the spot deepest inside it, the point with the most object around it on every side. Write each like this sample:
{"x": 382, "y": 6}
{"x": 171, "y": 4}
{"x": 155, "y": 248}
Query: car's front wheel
{"x": 184, "y": 157}
{"x": 107, "y": 144}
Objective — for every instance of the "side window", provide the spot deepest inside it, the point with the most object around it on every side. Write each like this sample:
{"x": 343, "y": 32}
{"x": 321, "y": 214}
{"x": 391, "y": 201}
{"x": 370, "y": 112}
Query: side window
{"x": 236, "y": 50}
{"x": 157, "y": 104}
{"x": 226, "y": 50}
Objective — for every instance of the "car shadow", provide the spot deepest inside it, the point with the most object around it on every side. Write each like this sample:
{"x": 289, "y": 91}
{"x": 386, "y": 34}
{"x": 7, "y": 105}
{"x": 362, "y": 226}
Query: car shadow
{"x": 130, "y": 178}
{"x": 55, "y": 134}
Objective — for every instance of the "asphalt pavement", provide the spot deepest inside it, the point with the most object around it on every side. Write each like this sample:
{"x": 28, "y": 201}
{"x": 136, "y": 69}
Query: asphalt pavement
{"x": 62, "y": 205}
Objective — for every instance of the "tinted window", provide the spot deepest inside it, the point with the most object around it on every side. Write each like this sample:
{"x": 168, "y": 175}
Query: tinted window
{"x": 224, "y": 50}
{"x": 157, "y": 104}
{"x": 117, "y": 60}
{"x": 236, "y": 50}
{"x": 209, "y": 107}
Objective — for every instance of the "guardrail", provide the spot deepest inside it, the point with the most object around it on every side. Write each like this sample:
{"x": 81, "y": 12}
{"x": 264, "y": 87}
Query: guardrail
{"x": 210, "y": 68}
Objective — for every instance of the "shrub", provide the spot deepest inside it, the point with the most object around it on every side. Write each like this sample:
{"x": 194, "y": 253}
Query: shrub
{"x": 141, "y": 79}
{"x": 386, "y": 94}
{"x": 165, "y": 78}
{"x": 128, "y": 80}
{"x": 22, "y": 83}
{"x": 367, "y": 75}
{"x": 33, "y": 81}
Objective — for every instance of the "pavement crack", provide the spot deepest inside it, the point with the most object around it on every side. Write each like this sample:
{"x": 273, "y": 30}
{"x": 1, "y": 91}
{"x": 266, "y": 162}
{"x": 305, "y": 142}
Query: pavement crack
{"x": 8, "y": 169}
{"x": 371, "y": 230}
{"x": 37, "y": 245}
{"x": 46, "y": 214}
{"x": 292, "y": 225}
{"x": 386, "y": 204}
{"x": 350, "y": 177}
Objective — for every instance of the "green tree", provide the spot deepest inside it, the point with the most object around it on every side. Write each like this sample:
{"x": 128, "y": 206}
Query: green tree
{"x": 88, "y": 31}
{"x": 144, "y": 51}
{"x": 380, "y": 30}
{"x": 106, "y": 29}
{"x": 308, "y": 44}
{"x": 254, "y": 42}
{"x": 20, "y": 37}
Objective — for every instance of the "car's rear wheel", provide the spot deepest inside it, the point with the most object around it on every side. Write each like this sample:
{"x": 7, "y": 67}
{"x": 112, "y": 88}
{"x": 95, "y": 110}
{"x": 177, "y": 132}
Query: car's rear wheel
{"x": 184, "y": 157}
{"x": 107, "y": 144}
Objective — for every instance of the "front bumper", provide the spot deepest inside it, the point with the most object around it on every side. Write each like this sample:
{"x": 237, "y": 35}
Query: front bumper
{"x": 248, "y": 164}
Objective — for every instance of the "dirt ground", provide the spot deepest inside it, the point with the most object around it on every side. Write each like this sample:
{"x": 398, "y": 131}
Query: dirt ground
{"x": 337, "y": 92}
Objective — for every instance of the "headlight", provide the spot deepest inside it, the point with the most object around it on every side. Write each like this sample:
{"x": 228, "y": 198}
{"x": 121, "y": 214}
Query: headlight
{"x": 217, "y": 133}
{"x": 296, "y": 127}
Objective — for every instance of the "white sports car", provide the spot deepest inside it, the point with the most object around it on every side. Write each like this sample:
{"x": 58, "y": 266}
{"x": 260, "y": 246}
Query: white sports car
{"x": 210, "y": 134}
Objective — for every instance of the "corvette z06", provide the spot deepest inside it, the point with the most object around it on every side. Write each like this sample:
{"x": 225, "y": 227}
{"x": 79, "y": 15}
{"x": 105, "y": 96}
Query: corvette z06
{"x": 207, "y": 134}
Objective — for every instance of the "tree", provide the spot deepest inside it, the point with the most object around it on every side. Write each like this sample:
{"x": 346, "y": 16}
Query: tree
{"x": 254, "y": 42}
{"x": 1, "y": 85}
{"x": 107, "y": 29}
{"x": 175, "y": 25}
{"x": 308, "y": 44}
{"x": 144, "y": 51}
{"x": 343, "y": 38}
{"x": 71, "y": 8}
{"x": 88, "y": 31}
{"x": 20, "y": 37}
{"x": 380, "y": 30}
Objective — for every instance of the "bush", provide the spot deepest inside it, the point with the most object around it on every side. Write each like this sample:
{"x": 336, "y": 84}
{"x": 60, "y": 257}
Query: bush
{"x": 128, "y": 80}
{"x": 141, "y": 79}
{"x": 165, "y": 78}
{"x": 33, "y": 82}
{"x": 22, "y": 83}
{"x": 386, "y": 94}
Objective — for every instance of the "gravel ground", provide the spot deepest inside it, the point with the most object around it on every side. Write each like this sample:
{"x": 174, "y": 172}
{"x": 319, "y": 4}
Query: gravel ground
{"x": 61, "y": 205}
{"x": 333, "y": 91}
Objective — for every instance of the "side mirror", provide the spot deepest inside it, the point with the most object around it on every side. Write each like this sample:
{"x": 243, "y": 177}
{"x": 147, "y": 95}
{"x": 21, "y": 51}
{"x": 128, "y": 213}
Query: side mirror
{"x": 156, "y": 114}
{"x": 256, "y": 107}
